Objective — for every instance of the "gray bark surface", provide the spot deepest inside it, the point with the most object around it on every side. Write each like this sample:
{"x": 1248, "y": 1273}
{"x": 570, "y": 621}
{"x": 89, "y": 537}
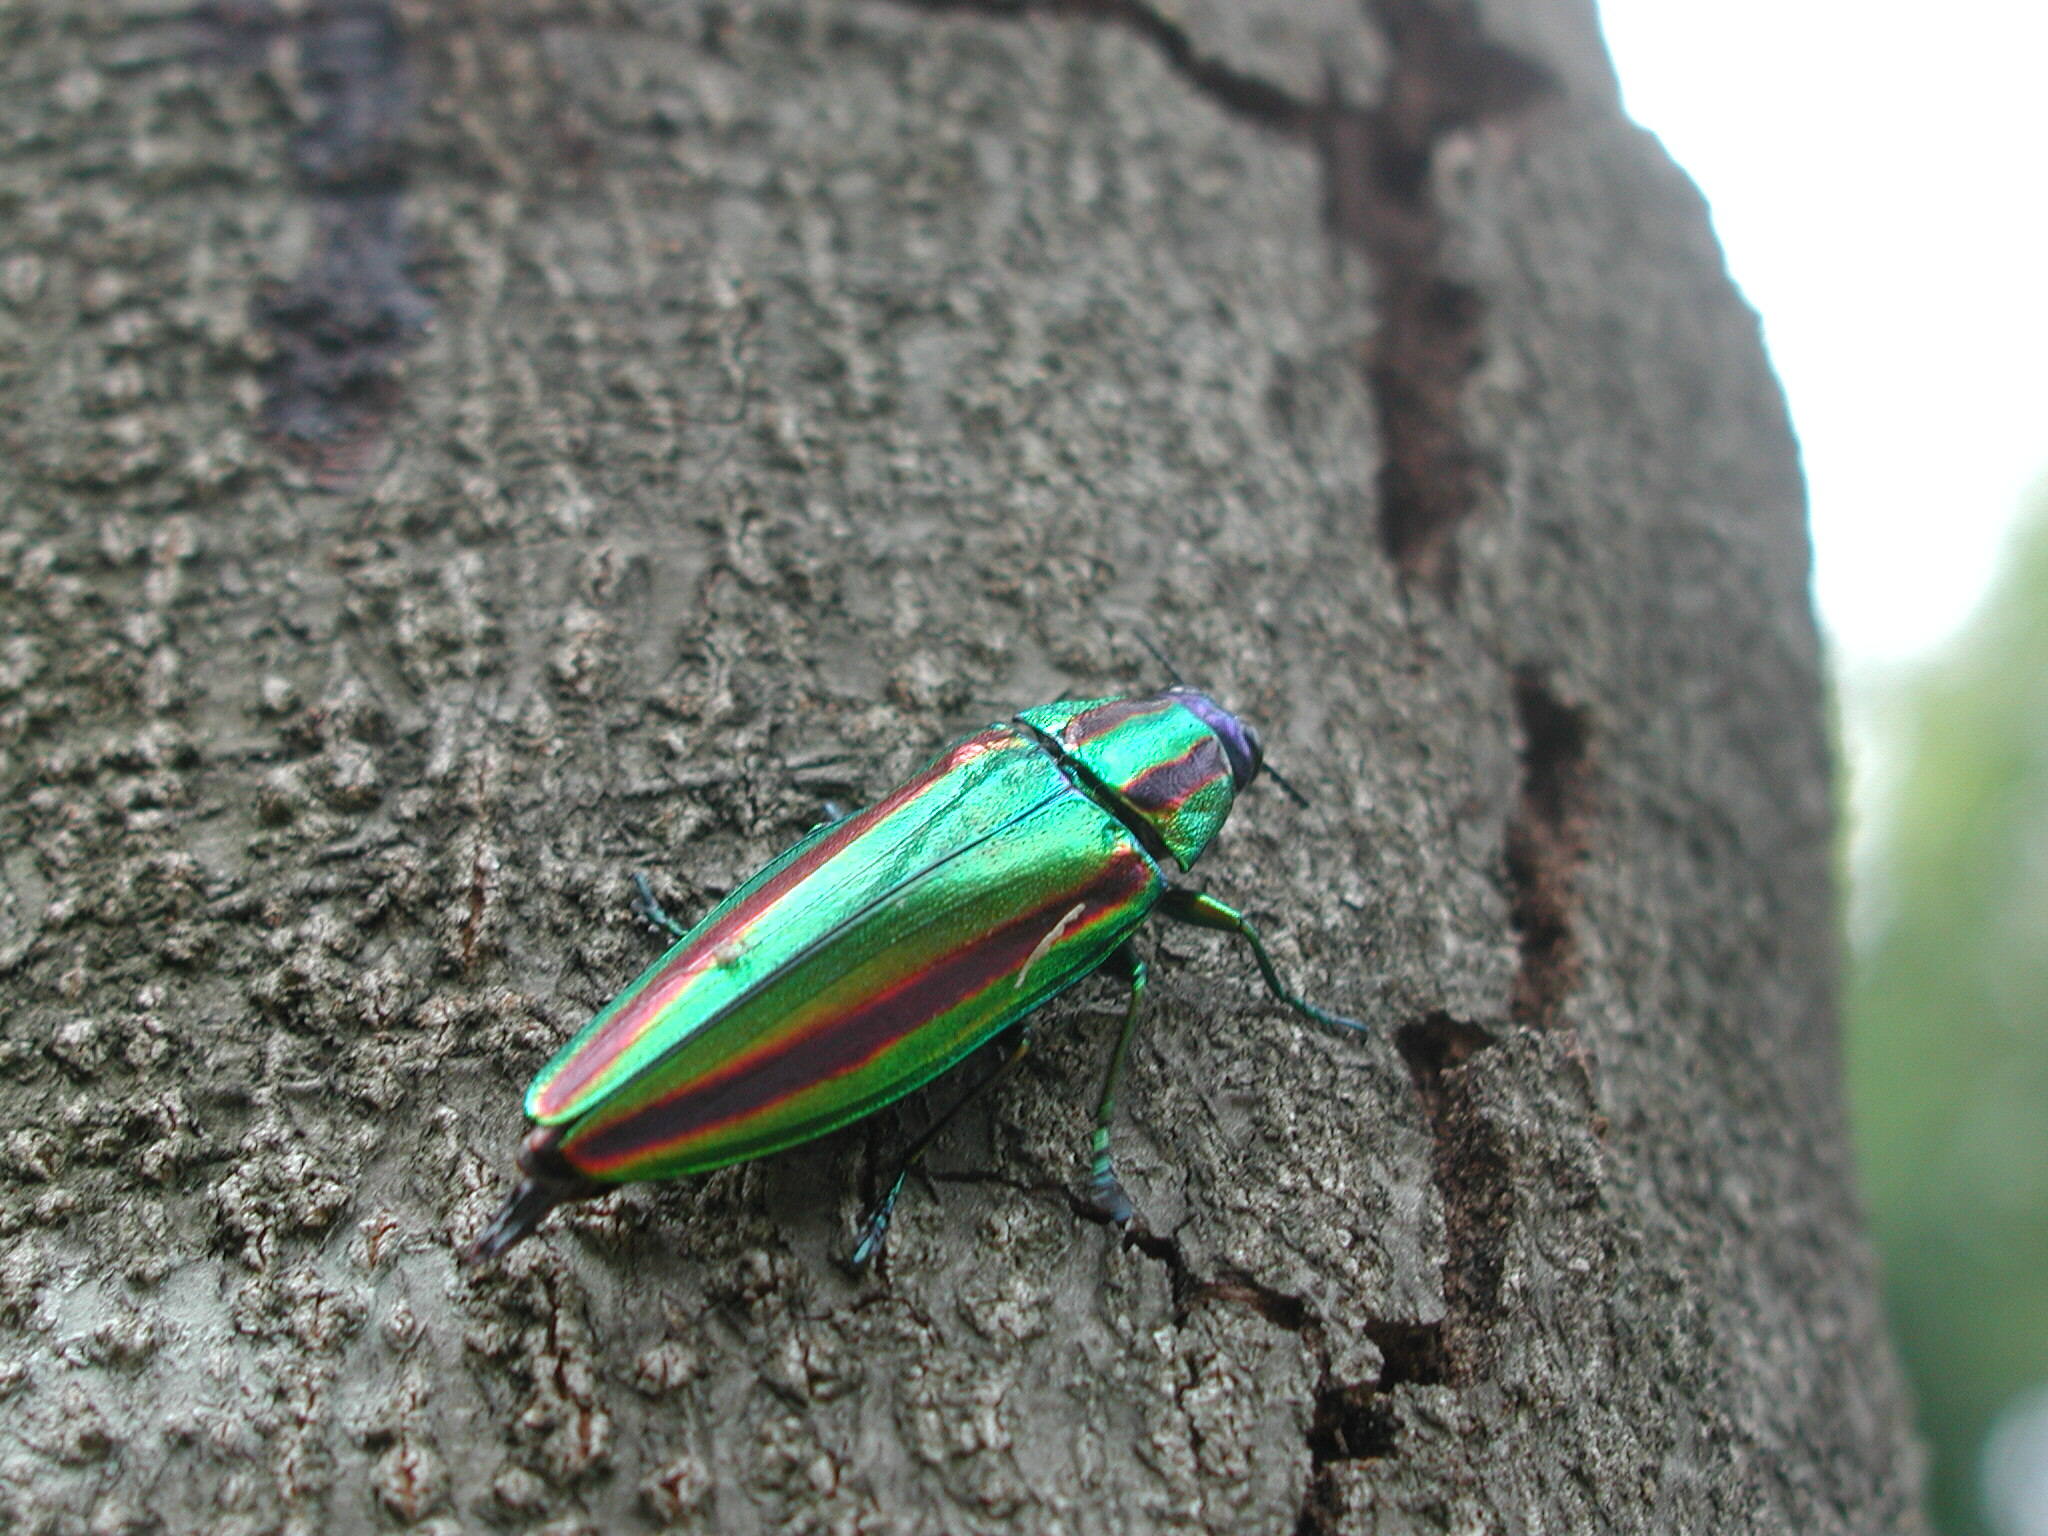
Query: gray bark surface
{"x": 455, "y": 458}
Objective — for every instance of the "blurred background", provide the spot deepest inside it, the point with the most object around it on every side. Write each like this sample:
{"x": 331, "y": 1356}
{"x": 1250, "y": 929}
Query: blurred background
{"x": 1876, "y": 172}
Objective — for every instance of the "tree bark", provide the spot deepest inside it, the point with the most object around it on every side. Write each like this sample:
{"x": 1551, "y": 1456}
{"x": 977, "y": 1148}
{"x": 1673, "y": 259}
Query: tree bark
{"x": 458, "y": 455}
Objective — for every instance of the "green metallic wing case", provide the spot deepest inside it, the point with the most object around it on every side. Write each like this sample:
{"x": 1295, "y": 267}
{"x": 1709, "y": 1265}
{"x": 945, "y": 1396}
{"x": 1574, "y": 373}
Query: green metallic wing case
{"x": 870, "y": 957}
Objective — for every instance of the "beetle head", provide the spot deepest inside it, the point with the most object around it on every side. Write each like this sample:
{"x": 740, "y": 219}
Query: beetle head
{"x": 1241, "y": 744}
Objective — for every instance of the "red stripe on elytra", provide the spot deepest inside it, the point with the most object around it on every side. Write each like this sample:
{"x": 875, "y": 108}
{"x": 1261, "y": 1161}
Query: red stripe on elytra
{"x": 1167, "y": 786}
{"x": 845, "y": 1041}
{"x": 625, "y": 1026}
{"x": 1103, "y": 719}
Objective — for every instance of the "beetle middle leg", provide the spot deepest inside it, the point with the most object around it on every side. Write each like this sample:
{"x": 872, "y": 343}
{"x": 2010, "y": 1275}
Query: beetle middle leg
{"x": 648, "y": 910}
{"x": 1105, "y": 1193}
{"x": 1205, "y": 911}
{"x": 876, "y": 1228}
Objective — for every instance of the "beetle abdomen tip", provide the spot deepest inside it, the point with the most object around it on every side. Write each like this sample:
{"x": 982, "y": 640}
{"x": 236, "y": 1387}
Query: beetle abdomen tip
{"x": 522, "y": 1212}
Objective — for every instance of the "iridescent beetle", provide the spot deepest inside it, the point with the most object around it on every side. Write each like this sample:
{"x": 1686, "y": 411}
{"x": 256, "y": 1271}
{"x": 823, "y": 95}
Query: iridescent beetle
{"x": 886, "y": 946}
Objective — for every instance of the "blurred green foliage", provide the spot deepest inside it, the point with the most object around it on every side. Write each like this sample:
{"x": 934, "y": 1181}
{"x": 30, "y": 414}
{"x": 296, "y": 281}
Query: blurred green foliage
{"x": 1948, "y": 1032}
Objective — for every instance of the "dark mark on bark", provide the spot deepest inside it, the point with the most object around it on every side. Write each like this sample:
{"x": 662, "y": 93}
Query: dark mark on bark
{"x": 1243, "y": 93}
{"x": 340, "y": 328}
{"x": 1355, "y": 1422}
{"x": 1471, "y": 1167}
{"x": 1445, "y": 77}
{"x": 1187, "y": 1290}
{"x": 1546, "y": 843}
{"x": 1349, "y": 1422}
{"x": 1414, "y": 1353}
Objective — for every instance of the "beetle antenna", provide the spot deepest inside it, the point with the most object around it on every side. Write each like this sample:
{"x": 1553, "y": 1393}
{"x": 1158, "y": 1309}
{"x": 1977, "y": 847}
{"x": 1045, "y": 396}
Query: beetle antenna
{"x": 1288, "y": 789}
{"x": 1160, "y": 656}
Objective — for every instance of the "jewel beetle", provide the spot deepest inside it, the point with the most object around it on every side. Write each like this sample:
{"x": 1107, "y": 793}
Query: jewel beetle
{"x": 886, "y": 946}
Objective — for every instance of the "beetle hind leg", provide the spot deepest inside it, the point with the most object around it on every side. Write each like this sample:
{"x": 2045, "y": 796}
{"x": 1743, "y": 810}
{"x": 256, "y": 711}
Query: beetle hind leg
{"x": 874, "y": 1231}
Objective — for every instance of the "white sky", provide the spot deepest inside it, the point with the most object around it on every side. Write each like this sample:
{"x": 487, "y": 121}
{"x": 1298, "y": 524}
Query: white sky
{"x": 1879, "y": 179}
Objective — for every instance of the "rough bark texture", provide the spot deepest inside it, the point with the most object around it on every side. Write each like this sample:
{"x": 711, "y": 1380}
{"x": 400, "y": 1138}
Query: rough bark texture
{"x": 460, "y": 454}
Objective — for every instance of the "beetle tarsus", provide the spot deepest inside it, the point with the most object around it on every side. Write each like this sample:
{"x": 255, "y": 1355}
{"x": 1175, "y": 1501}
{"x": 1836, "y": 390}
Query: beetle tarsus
{"x": 875, "y": 1230}
{"x": 1106, "y": 1196}
{"x": 648, "y": 910}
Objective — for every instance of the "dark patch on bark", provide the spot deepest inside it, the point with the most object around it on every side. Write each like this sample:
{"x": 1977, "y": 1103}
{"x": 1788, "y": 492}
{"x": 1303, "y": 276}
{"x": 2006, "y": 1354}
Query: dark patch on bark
{"x": 340, "y": 328}
{"x": 1470, "y": 1162}
{"x": 1414, "y": 1353}
{"x": 1355, "y": 1421}
{"x": 1348, "y": 1421}
{"x": 1351, "y": 1424}
{"x": 1445, "y": 78}
{"x": 1546, "y": 843}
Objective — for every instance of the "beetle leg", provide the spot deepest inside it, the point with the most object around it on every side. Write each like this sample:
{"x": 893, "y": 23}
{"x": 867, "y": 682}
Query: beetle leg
{"x": 646, "y": 908}
{"x": 876, "y": 1228}
{"x": 1105, "y": 1193}
{"x": 1205, "y": 911}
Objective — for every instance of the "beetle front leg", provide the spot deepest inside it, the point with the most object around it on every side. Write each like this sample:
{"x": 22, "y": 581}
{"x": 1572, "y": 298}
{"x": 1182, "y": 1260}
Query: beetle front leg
{"x": 1205, "y": 911}
{"x": 1105, "y": 1193}
{"x": 875, "y": 1229}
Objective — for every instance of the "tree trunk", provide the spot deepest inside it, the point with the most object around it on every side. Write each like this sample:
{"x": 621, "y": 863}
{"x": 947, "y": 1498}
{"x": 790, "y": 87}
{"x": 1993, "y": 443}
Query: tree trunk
{"x": 458, "y": 455}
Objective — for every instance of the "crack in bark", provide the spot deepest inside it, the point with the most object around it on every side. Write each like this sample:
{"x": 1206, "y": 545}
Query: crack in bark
{"x": 340, "y": 328}
{"x": 1239, "y": 91}
{"x": 1354, "y": 1422}
{"x": 1349, "y": 1421}
{"x": 1184, "y": 1287}
{"x": 1470, "y": 1162}
{"x": 1546, "y": 843}
{"x": 1445, "y": 77}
